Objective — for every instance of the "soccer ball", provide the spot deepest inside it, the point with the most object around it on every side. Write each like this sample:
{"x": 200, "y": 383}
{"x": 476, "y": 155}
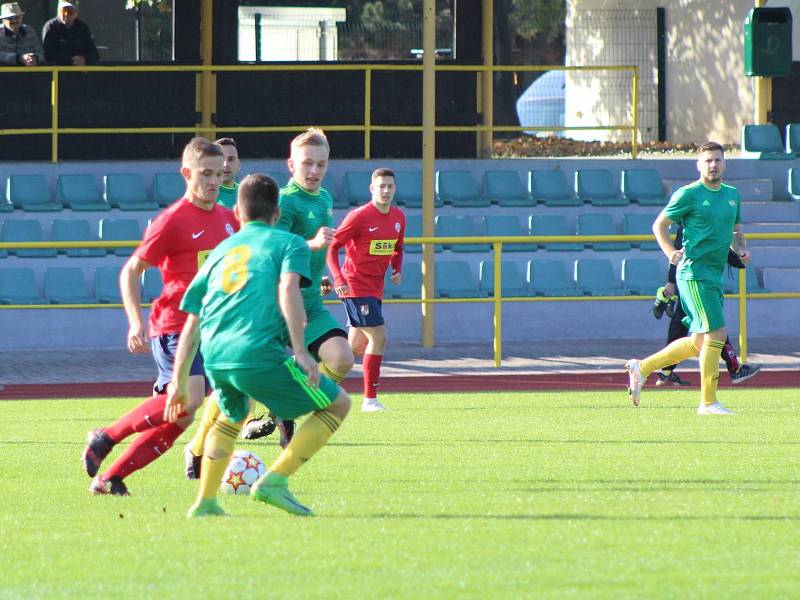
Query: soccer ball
{"x": 243, "y": 471}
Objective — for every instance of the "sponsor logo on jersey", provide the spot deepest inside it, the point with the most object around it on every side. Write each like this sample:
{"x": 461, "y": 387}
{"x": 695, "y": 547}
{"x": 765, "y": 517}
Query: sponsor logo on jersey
{"x": 381, "y": 247}
{"x": 706, "y": 203}
{"x": 371, "y": 229}
{"x": 198, "y": 234}
{"x": 201, "y": 257}
{"x": 397, "y": 227}
{"x": 311, "y": 215}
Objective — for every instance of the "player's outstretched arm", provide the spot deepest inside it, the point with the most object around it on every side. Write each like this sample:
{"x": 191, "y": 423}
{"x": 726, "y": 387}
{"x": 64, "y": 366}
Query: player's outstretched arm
{"x": 178, "y": 391}
{"x": 291, "y": 303}
{"x": 661, "y": 231}
{"x": 131, "y": 292}
{"x": 740, "y": 245}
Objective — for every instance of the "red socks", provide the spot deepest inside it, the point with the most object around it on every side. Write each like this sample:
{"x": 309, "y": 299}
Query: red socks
{"x": 145, "y": 449}
{"x": 147, "y": 415}
{"x": 371, "y": 366}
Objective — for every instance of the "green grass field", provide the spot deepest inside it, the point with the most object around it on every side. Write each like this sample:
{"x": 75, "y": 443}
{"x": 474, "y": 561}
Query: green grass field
{"x": 490, "y": 495}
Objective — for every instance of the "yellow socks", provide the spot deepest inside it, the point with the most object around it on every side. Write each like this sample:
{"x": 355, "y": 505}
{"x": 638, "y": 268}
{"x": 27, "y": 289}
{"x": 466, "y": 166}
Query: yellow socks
{"x": 330, "y": 373}
{"x": 210, "y": 415}
{"x": 709, "y": 370}
{"x": 310, "y": 437}
{"x": 219, "y": 446}
{"x": 677, "y": 351}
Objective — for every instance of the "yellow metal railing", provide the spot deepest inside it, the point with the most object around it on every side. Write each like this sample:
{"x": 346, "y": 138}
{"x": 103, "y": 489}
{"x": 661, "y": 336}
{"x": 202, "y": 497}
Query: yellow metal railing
{"x": 206, "y": 100}
{"x": 497, "y": 300}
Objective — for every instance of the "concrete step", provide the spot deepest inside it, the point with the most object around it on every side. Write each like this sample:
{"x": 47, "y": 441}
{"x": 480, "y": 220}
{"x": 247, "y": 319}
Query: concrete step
{"x": 770, "y": 212}
{"x": 776, "y": 256}
{"x": 781, "y": 279}
{"x": 750, "y": 190}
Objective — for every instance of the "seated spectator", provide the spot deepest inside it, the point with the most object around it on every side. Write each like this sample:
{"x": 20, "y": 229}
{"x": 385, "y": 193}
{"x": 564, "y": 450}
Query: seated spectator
{"x": 19, "y": 44}
{"x": 67, "y": 39}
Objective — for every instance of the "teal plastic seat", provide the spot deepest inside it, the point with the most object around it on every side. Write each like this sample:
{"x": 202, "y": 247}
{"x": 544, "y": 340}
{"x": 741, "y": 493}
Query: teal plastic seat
{"x": 411, "y": 285}
{"x": 512, "y": 282}
{"x": 549, "y": 278}
{"x": 637, "y": 224}
{"x": 600, "y": 224}
{"x": 30, "y": 193}
{"x": 120, "y": 230}
{"x": 26, "y": 230}
{"x": 595, "y": 277}
{"x": 106, "y": 285}
{"x": 459, "y": 189}
{"x": 152, "y": 284}
{"x": 79, "y": 192}
{"x": 454, "y": 279}
{"x": 643, "y": 186}
{"x": 75, "y": 230}
{"x": 793, "y": 138}
{"x": 18, "y": 286}
{"x": 794, "y": 183}
{"x": 553, "y": 225}
{"x": 505, "y": 188}
{"x": 65, "y": 285}
{"x": 504, "y": 225}
{"x": 459, "y": 226}
{"x": 597, "y": 187}
{"x": 168, "y": 187}
{"x": 6, "y": 206}
{"x": 126, "y": 191}
{"x": 551, "y": 188}
{"x": 355, "y": 188}
{"x": 643, "y": 276}
{"x": 413, "y": 229}
{"x": 730, "y": 281}
{"x": 409, "y": 189}
{"x": 763, "y": 141}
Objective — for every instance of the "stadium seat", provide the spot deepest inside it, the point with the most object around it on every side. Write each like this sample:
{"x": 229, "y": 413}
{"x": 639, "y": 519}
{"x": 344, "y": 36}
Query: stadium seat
{"x": 552, "y": 225}
{"x": 5, "y": 205}
{"x": 642, "y": 276}
{"x": 119, "y": 230}
{"x": 18, "y": 286}
{"x": 730, "y": 281}
{"x": 355, "y": 189}
{"x": 409, "y": 189}
{"x": 413, "y": 229}
{"x": 636, "y": 224}
{"x": 126, "y": 191}
{"x": 513, "y": 283}
{"x": 600, "y": 224}
{"x": 106, "y": 285}
{"x": 65, "y": 285}
{"x": 75, "y": 230}
{"x": 30, "y": 193}
{"x": 597, "y": 187}
{"x": 794, "y": 183}
{"x": 459, "y": 226}
{"x": 793, "y": 138}
{"x": 152, "y": 284}
{"x": 411, "y": 285}
{"x": 504, "y": 225}
{"x": 168, "y": 187}
{"x": 644, "y": 187}
{"x": 549, "y": 278}
{"x": 79, "y": 192}
{"x": 26, "y": 230}
{"x": 459, "y": 189}
{"x": 551, "y": 188}
{"x": 763, "y": 141}
{"x": 505, "y": 188}
{"x": 454, "y": 279}
{"x": 595, "y": 277}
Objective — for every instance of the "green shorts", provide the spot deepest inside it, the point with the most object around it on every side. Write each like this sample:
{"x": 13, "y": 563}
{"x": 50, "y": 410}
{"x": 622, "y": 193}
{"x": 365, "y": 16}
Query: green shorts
{"x": 320, "y": 322}
{"x": 702, "y": 302}
{"x": 284, "y": 390}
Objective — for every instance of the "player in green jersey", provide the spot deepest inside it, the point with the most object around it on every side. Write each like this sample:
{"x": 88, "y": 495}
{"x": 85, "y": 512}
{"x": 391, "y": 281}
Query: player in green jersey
{"x": 241, "y": 304}
{"x": 709, "y": 212}
{"x": 229, "y": 188}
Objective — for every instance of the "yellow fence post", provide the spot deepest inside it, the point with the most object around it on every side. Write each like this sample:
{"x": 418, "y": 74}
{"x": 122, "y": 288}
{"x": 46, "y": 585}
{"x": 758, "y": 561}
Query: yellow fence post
{"x": 497, "y": 247}
{"x": 367, "y": 111}
{"x": 54, "y": 117}
{"x": 742, "y": 315}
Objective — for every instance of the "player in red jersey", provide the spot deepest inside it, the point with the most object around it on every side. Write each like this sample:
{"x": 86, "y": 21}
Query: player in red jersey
{"x": 176, "y": 242}
{"x": 372, "y": 236}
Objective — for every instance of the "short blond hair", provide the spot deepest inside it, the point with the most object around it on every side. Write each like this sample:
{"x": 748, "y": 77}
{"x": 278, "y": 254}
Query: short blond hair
{"x": 197, "y": 149}
{"x": 311, "y": 137}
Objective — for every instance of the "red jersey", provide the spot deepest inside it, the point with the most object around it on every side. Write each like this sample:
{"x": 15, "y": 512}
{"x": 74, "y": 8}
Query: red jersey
{"x": 372, "y": 241}
{"x": 177, "y": 242}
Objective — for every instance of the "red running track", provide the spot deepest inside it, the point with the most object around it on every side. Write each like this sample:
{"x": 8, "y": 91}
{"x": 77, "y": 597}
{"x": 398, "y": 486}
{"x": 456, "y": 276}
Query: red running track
{"x": 433, "y": 383}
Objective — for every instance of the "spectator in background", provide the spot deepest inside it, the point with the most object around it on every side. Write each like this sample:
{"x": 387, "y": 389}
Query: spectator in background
{"x": 19, "y": 44}
{"x": 67, "y": 39}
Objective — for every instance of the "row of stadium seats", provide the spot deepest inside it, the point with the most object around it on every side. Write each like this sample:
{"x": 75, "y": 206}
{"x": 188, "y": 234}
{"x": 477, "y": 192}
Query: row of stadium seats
{"x": 67, "y": 230}
{"x": 763, "y": 141}
{"x": 66, "y": 285}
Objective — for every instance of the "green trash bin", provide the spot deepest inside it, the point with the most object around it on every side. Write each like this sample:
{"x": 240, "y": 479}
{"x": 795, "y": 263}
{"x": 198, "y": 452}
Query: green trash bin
{"x": 768, "y": 42}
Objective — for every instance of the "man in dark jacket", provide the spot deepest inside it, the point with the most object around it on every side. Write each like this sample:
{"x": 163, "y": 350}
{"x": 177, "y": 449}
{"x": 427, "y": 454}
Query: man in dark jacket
{"x": 67, "y": 39}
